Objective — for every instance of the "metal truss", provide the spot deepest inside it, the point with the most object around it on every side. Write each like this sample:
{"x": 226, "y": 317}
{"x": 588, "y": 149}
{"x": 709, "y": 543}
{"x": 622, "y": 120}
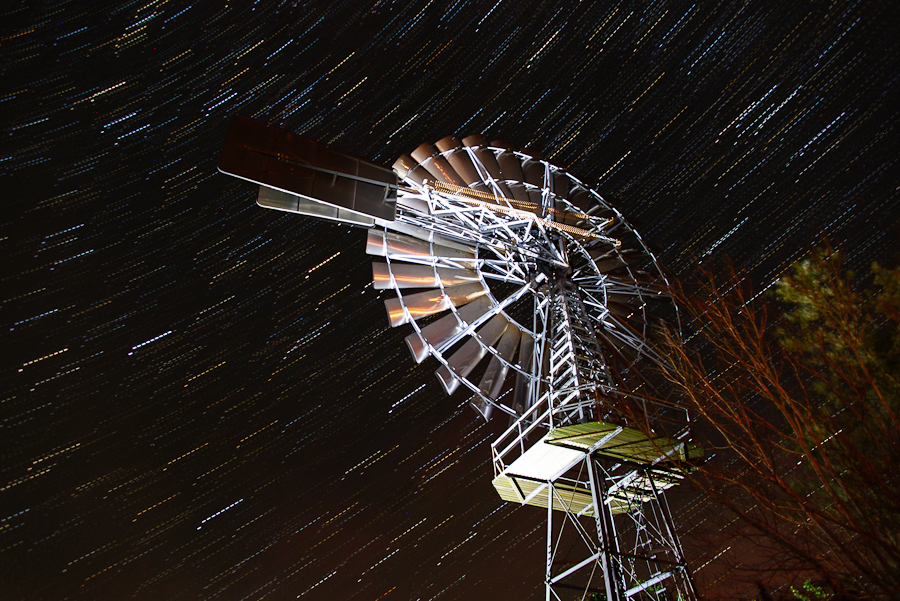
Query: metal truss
{"x": 609, "y": 529}
{"x": 620, "y": 546}
{"x": 533, "y": 295}
{"x": 619, "y": 541}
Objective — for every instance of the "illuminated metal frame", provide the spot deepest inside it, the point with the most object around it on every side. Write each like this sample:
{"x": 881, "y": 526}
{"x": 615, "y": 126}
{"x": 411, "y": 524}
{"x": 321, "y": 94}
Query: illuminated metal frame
{"x": 510, "y": 240}
{"x": 569, "y": 447}
{"x": 566, "y": 377}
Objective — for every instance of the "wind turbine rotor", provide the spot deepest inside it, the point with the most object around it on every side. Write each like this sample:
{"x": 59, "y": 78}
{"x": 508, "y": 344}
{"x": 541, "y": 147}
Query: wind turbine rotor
{"x": 492, "y": 234}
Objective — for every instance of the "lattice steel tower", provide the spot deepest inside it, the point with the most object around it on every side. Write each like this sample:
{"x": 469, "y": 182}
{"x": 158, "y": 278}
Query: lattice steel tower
{"x": 536, "y": 297}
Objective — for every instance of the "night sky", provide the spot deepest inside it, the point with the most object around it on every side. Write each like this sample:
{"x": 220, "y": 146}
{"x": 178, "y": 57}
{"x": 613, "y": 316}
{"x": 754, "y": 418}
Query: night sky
{"x": 202, "y": 399}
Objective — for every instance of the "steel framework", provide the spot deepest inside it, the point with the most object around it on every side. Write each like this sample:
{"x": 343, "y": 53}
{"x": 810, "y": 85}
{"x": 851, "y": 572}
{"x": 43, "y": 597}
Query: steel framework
{"x": 537, "y": 298}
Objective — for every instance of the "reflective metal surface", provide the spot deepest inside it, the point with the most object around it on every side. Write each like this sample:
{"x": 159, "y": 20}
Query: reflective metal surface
{"x": 422, "y": 304}
{"x": 405, "y": 275}
{"x": 271, "y": 198}
{"x": 438, "y": 333}
{"x": 398, "y": 246}
{"x": 549, "y": 298}
{"x": 491, "y": 384}
{"x": 468, "y": 356}
{"x": 282, "y": 160}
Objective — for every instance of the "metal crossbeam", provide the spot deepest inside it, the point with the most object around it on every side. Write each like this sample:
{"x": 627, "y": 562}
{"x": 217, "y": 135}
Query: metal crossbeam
{"x": 637, "y": 555}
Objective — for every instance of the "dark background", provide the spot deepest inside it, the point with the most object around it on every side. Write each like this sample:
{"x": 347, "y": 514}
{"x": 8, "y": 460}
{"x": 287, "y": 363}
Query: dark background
{"x": 195, "y": 406}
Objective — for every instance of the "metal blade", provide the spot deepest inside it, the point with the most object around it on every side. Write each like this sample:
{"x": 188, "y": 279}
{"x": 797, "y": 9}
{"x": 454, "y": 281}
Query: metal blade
{"x": 271, "y": 198}
{"x": 625, "y": 311}
{"x": 519, "y": 193}
{"x": 406, "y": 275}
{"x": 520, "y": 395}
{"x": 483, "y": 408}
{"x": 604, "y": 265}
{"x": 487, "y": 160}
{"x": 447, "y": 327}
{"x": 436, "y": 165}
{"x": 470, "y": 354}
{"x": 429, "y": 302}
{"x": 427, "y": 235}
{"x": 533, "y": 171}
{"x": 493, "y": 378}
{"x": 389, "y": 244}
{"x": 560, "y": 184}
{"x": 580, "y": 197}
{"x": 511, "y": 166}
{"x": 495, "y": 375}
{"x": 407, "y": 167}
{"x": 459, "y": 159}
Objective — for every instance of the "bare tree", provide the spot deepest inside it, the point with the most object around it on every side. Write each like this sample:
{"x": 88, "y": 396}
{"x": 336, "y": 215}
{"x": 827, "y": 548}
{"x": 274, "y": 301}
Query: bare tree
{"x": 799, "y": 397}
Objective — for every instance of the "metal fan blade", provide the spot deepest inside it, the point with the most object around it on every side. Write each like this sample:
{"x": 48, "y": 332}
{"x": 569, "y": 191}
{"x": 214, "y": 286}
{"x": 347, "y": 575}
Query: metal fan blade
{"x": 564, "y": 214}
{"x": 407, "y": 168}
{"x": 429, "y": 302}
{"x": 474, "y": 140}
{"x": 482, "y": 407}
{"x": 609, "y": 264}
{"x": 436, "y": 334}
{"x": 271, "y": 198}
{"x": 488, "y": 162}
{"x": 520, "y": 394}
{"x": 519, "y": 193}
{"x": 436, "y": 165}
{"x": 493, "y": 378}
{"x": 510, "y": 166}
{"x": 389, "y": 244}
{"x": 580, "y": 197}
{"x": 426, "y": 235}
{"x": 625, "y": 311}
{"x": 560, "y": 184}
{"x": 470, "y": 354}
{"x": 535, "y": 196}
{"x": 459, "y": 159}
{"x": 425, "y": 303}
{"x": 619, "y": 297}
{"x": 407, "y": 275}
{"x": 533, "y": 171}
{"x": 462, "y": 294}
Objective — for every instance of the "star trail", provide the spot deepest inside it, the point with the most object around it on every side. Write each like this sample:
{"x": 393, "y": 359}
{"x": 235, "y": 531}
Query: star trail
{"x": 203, "y": 399}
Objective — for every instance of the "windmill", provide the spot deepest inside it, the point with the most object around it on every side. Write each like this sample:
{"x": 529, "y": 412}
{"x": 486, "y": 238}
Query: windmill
{"x": 536, "y": 298}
